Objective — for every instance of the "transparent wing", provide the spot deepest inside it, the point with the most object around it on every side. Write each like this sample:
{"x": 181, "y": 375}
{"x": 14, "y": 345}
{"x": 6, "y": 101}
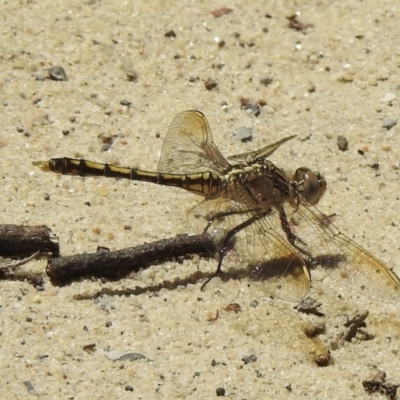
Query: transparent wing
{"x": 259, "y": 252}
{"x": 340, "y": 257}
{"x": 270, "y": 262}
{"x": 260, "y": 154}
{"x": 189, "y": 148}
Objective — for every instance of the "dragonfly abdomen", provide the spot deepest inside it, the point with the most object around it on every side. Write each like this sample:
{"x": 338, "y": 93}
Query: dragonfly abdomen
{"x": 207, "y": 184}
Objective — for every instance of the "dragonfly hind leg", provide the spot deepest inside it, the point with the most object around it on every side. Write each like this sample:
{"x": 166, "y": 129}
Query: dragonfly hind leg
{"x": 228, "y": 242}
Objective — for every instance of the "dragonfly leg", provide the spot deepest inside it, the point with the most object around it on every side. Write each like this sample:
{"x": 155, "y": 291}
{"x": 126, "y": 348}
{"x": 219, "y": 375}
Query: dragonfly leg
{"x": 291, "y": 237}
{"x": 229, "y": 242}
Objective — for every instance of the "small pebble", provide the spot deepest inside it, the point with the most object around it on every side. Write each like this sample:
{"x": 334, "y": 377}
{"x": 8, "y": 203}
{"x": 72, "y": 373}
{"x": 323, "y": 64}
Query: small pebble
{"x": 389, "y": 123}
{"x": 388, "y": 98}
{"x": 210, "y": 84}
{"x": 131, "y": 357}
{"x": 106, "y": 147}
{"x": 253, "y": 108}
{"x": 125, "y": 103}
{"x": 170, "y": 34}
{"x": 342, "y": 143}
{"x": 57, "y": 74}
{"x": 29, "y": 386}
{"x": 128, "y": 388}
{"x": 130, "y": 72}
{"x": 265, "y": 79}
{"x": 244, "y": 134}
{"x": 249, "y": 359}
{"x": 220, "y": 392}
{"x": 375, "y": 165}
{"x": 221, "y": 11}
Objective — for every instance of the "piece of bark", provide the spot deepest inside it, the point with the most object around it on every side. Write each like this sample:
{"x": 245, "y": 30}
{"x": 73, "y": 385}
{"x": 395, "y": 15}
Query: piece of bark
{"x": 130, "y": 259}
{"x": 20, "y": 240}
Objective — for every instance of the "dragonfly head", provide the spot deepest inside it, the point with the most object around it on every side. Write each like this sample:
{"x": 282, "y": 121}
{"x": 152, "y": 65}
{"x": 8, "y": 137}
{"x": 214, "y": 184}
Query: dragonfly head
{"x": 311, "y": 185}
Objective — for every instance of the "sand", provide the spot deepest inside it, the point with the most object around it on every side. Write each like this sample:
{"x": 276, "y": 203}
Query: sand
{"x": 336, "y": 74}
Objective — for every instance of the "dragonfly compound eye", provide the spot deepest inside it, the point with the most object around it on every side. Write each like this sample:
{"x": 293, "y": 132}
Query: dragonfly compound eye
{"x": 311, "y": 185}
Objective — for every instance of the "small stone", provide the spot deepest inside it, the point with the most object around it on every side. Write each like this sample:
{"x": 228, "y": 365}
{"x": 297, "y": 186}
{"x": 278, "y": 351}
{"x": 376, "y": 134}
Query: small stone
{"x": 210, "y": 84}
{"x": 375, "y": 166}
{"x": 29, "y": 386}
{"x": 131, "y": 357}
{"x": 342, "y": 143}
{"x": 220, "y": 392}
{"x": 265, "y": 79}
{"x": 244, "y": 134}
{"x": 221, "y": 11}
{"x": 130, "y": 72}
{"x": 128, "y": 388}
{"x": 170, "y": 34}
{"x": 249, "y": 359}
{"x": 125, "y": 103}
{"x": 105, "y": 147}
{"x": 57, "y": 74}
{"x": 388, "y": 98}
{"x": 389, "y": 123}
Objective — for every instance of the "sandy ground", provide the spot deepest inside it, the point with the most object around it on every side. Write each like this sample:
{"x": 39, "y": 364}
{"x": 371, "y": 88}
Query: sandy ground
{"x": 337, "y": 75}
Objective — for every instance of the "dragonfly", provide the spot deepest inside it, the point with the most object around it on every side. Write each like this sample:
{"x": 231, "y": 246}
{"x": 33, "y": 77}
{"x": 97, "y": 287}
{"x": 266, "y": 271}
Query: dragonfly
{"x": 266, "y": 221}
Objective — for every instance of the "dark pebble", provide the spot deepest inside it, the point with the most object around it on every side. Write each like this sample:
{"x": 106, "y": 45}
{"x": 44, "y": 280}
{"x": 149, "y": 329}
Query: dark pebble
{"x": 266, "y": 79}
{"x": 249, "y": 359}
{"x": 170, "y": 34}
{"x": 29, "y": 386}
{"x": 375, "y": 165}
{"x": 58, "y": 74}
{"x": 128, "y": 388}
{"x": 220, "y": 392}
{"x": 125, "y": 103}
{"x": 210, "y": 84}
{"x": 342, "y": 143}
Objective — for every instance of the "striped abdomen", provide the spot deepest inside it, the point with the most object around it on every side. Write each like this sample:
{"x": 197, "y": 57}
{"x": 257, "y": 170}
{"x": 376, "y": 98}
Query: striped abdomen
{"x": 207, "y": 184}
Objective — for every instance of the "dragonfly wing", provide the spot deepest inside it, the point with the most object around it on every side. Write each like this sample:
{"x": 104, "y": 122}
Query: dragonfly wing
{"x": 269, "y": 261}
{"x": 189, "y": 148}
{"x": 342, "y": 258}
{"x": 259, "y": 252}
{"x": 260, "y": 154}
